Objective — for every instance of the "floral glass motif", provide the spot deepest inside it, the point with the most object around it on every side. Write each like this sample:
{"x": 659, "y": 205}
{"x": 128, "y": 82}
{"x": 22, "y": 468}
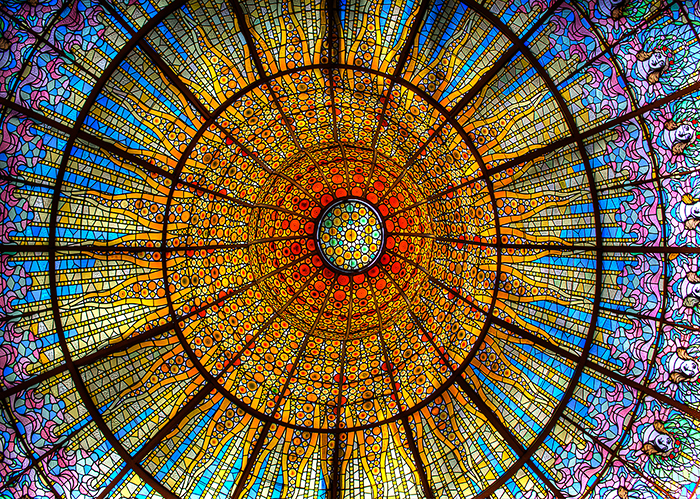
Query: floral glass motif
{"x": 350, "y": 235}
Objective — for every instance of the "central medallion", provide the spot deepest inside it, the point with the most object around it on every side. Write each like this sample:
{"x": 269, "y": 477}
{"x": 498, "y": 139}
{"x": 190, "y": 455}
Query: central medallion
{"x": 350, "y": 235}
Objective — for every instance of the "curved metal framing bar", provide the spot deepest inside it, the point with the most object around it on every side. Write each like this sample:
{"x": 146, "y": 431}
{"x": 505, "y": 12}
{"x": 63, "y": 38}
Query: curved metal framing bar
{"x": 640, "y": 394}
{"x": 573, "y": 129}
{"x": 380, "y": 225}
{"x": 74, "y": 371}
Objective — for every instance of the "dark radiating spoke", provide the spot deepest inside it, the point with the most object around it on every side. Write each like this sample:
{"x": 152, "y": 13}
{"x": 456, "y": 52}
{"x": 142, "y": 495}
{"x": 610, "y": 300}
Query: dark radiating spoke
{"x": 333, "y": 34}
{"x": 561, "y": 143}
{"x": 626, "y": 36}
{"x": 96, "y": 141}
{"x": 457, "y": 240}
{"x": 335, "y": 463}
{"x": 268, "y": 322}
{"x": 247, "y": 36}
{"x": 523, "y": 454}
{"x": 679, "y": 94}
{"x": 656, "y": 180}
{"x": 484, "y": 80}
{"x": 279, "y": 209}
{"x": 627, "y": 249}
{"x": 639, "y": 387}
{"x": 175, "y": 420}
{"x": 455, "y": 377}
{"x": 647, "y": 478}
{"x": 277, "y": 239}
{"x": 115, "y": 347}
{"x": 600, "y": 128}
{"x": 346, "y": 165}
{"x": 508, "y": 164}
{"x": 114, "y": 149}
{"x": 252, "y": 459}
{"x": 417, "y": 459}
{"x": 692, "y": 25}
{"x": 475, "y": 154}
{"x": 381, "y": 118}
{"x": 19, "y": 181}
{"x": 411, "y": 161}
{"x": 24, "y": 248}
{"x": 635, "y": 315}
{"x": 504, "y": 432}
{"x": 664, "y": 296}
{"x": 113, "y": 483}
{"x": 412, "y": 264}
{"x": 423, "y": 235}
{"x": 398, "y": 71}
{"x": 243, "y": 477}
{"x": 175, "y": 80}
{"x": 651, "y": 318}
{"x": 441, "y": 352}
{"x": 334, "y": 113}
{"x": 12, "y": 317}
{"x": 428, "y": 275}
{"x": 96, "y": 248}
{"x": 34, "y": 463}
{"x": 207, "y": 247}
{"x": 409, "y": 207}
{"x": 335, "y": 490}
{"x": 252, "y": 48}
{"x": 282, "y": 268}
{"x": 609, "y": 249}
{"x": 48, "y": 43}
{"x": 385, "y": 353}
{"x": 200, "y": 188}
{"x": 321, "y": 174}
{"x": 543, "y": 18}
{"x": 210, "y": 386}
{"x": 444, "y": 286}
{"x": 518, "y": 331}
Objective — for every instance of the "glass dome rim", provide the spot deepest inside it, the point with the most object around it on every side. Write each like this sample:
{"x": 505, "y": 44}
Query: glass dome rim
{"x": 382, "y": 224}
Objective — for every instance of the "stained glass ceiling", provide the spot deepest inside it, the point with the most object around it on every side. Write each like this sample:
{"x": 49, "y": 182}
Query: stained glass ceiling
{"x": 273, "y": 249}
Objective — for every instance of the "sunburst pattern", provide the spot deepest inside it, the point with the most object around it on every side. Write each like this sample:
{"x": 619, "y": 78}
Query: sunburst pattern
{"x": 514, "y": 314}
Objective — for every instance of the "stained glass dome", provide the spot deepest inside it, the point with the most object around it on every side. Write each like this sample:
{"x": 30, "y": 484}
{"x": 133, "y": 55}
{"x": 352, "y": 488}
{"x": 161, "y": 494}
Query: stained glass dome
{"x": 350, "y": 249}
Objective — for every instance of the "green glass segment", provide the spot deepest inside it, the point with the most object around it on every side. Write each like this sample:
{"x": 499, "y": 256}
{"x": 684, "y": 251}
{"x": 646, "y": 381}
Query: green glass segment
{"x": 350, "y": 235}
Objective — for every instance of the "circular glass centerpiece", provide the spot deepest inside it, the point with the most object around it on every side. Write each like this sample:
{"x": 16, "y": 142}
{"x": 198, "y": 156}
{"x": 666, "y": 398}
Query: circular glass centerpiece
{"x": 350, "y": 235}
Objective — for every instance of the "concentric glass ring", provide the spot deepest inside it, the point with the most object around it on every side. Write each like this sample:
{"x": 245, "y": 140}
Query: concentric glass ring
{"x": 350, "y": 235}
